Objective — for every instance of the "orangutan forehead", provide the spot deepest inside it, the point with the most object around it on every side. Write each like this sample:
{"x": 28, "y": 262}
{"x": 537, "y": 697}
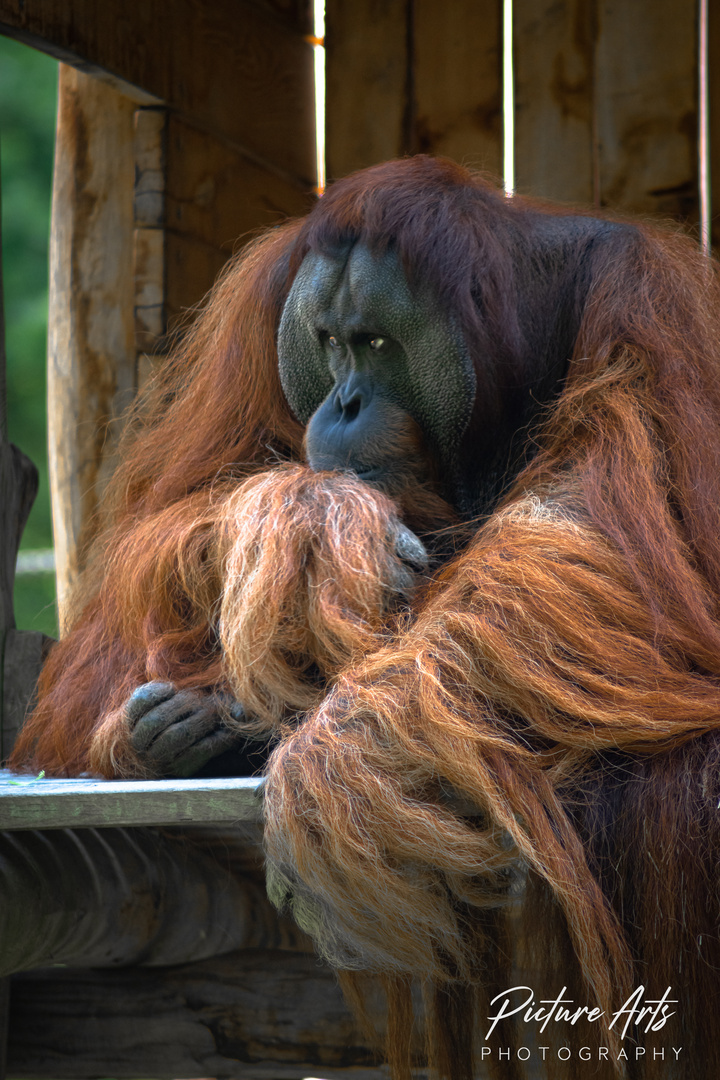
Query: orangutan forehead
{"x": 356, "y": 282}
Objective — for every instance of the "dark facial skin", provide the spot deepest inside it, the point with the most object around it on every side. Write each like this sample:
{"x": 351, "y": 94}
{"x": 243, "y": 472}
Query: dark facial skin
{"x": 379, "y": 374}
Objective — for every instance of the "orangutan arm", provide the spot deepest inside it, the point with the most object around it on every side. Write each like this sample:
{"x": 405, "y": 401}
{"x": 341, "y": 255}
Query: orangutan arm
{"x": 313, "y": 566}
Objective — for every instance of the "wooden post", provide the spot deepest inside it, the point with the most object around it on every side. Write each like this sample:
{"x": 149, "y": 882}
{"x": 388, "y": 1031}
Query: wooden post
{"x": 91, "y": 347}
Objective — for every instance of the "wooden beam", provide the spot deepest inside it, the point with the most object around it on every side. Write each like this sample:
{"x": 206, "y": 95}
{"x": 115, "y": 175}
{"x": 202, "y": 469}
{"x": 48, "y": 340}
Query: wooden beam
{"x": 30, "y": 803}
{"x": 255, "y": 1014}
{"x": 242, "y": 70}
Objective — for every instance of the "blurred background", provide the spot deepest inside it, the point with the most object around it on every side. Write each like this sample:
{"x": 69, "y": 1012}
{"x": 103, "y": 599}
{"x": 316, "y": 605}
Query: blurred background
{"x": 28, "y": 95}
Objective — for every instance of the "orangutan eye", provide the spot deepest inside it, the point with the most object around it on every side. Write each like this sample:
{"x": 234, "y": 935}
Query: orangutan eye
{"x": 377, "y": 343}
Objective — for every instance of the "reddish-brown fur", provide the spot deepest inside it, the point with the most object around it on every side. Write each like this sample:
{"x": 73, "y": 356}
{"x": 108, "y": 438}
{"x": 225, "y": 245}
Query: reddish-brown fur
{"x": 562, "y": 675}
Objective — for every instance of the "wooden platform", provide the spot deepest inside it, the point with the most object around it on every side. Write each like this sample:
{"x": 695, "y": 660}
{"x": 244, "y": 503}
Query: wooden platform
{"x": 38, "y": 803}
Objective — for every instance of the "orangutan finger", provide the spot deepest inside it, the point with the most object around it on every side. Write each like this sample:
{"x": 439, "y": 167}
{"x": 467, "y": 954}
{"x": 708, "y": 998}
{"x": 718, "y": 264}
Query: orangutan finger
{"x": 228, "y": 706}
{"x": 147, "y": 697}
{"x": 173, "y": 741}
{"x": 190, "y": 761}
{"x": 183, "y": 705}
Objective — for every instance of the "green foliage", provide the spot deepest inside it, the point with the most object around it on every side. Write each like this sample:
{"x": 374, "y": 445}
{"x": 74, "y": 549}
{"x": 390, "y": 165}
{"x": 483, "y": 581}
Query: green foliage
{"x": 28, "y": 92}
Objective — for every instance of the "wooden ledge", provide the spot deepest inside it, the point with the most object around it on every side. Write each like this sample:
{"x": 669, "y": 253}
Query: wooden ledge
{"x": 27, "y": 802}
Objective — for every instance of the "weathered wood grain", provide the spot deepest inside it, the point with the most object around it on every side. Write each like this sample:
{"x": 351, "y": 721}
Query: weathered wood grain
{"x": 150, "y": 316}
{"x": 255, "y": 1014}
{"x": 109, "y": 898}
{"x": 556, "y": 152}
{"x": 646, "y": 93}
{"x": 149, "y": 143}
{"x": 238, "y": 68}
{"x": 457, "y": 81}
{"x": 30, "y": 803}
{"x": 368, "y": 77}
{"x": 25, "y": 652}
{"x": 217, "y": 195}
{"x": 91, "y": 347}
{"x": 413, "y": 77}
{"x": 600, "y": 120}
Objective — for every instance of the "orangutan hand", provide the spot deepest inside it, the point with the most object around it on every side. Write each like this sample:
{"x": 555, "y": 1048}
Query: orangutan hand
{"x": 176, "y": 732}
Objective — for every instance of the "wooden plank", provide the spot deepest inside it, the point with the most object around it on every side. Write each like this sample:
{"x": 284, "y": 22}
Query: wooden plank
{"x": 235, "y": 67}
{"x": 413, "y": 77}
{"x": 457, "y": 81}
{"x": 555, "y": 127}
{"x": 368, "y": 83}
{"x": 91, "y": 347}
{"x": 215, "y": 194}
{"x": 255, "y": 1014}
{"x": 647, "y": 107}
{"x": 215, "y": 197}
{"x": 30, "y": 803}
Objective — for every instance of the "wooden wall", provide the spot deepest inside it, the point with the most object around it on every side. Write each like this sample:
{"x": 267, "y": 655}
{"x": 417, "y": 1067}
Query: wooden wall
{"x": 605, "y": 94}
{"x": 413, "y": 76}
